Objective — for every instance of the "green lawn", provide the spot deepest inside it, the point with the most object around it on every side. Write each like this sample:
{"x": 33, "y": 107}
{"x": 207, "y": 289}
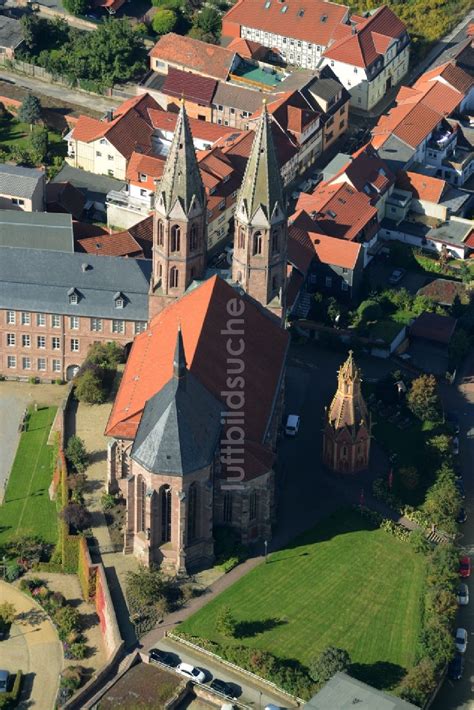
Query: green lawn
{"x": 14, "y": 134}
{"x": 27, "y": 507}
{"x": 343, "y": 584}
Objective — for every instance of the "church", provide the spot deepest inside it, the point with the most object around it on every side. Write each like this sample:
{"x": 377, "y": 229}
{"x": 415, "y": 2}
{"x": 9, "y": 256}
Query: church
{"x": 194, "y": 425}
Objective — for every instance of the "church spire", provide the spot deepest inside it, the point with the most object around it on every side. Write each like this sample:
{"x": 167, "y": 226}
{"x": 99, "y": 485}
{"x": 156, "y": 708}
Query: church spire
{"x": 181, "y": 180}
{"x": 179, "y": 360}
{"x": 262, "y": 188}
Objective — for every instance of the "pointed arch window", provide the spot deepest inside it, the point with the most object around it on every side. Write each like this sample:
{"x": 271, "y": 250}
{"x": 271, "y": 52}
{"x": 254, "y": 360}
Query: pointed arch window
{"x": 175, "y": 237}
{"x": 275, "y": 241}
{"x": 192, "y": 512}
{"x": 228, "y": 507}
{"x": 257, "y": 243}
{"x": 193, "y": 238}
{"x": 161, "y": 233}
{"x": 274, "y": 284}
{"x": 241, "y": 240}
{"x": 141, "y": 495}
{"x": 253, "y": 501}
{"x": 174, "y": 277}
{"x": 165, "y": 495}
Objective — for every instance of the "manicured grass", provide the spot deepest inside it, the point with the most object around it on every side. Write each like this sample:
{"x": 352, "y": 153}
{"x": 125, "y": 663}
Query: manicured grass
{"x": 14, "y": 134}
{"x": 27, "y": 508}
{"x": 344, "y": 584}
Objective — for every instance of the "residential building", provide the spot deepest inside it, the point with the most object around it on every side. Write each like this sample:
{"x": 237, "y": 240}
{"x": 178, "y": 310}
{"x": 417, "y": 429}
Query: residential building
{"x": 21, "y": 188}
{"x": 11, "y": 37}
{"x": 452, "y": 75}
{"x": 343, "y": 691}
{"x": 430, "y": 335}
{"x": 54, "y": 305}
{"x": 299, "y": 31}
{"x": 171, "y": 455}
{"x": 64, "y": 198}
{"x": 432, "y": 197}
{"x": 370, "y": 56}
{"x": 105, "y": 146}
{"x": 135, "y": 242}
{"x": 188, "y": 54}
{"x": 347, "y": 426}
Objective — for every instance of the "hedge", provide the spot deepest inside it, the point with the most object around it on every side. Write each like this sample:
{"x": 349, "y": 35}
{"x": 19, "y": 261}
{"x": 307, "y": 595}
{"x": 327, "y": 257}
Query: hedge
{"x": 10, "y": 700}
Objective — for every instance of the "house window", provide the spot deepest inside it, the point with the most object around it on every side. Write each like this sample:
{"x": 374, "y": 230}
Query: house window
{"x": 175, "y": 237}
{"x": 56, "y": 343}
{"x": 26, "y": 363}
{"x": 73, "y": 299}
{"x": 165, "y": 493}
{"x": 344, "y": 286}
{"x": 25, "y": 318}
{"x": 56, "y": 365}
{"x": 41, "y": 342}
{"x": 192, "y": 512}
{"x": 110, "y": 157}
{"x": 96, "y": 325}
{"x": 173, "y": 277}
{"x": 143, "y": 193}
{"x": 75, "y": 345}
{"x": 26, "y": 341}
{"x": 257, "y": 243}
{"x": 42, "y": 364}
{"x": 275, "y": 241}
{"x": 56, "y": 321}
{"x": 139, "y": 326}
{"x": 342, "y": 124}
{"x": 328, "y": 281}
{"x": 141, "y": 497}
{"x": 11, "y": 340}
{"x": 17, "y": 201}
{"x": 227, "y": 507}
{"x": 11, "y": 317}
{"x": 119, "y": 302}
{"x": 98, "y": 154}
{"x": 118, "y": 326}
{"x": 253, "y": 505}
{"x": 74, "y": 323}
{"x": 40, "y": 319}
{"x": 161, "y": 233}
{"x": 241, "y": 241}
{"x": 11, "y": 361}
{"x": 274, "y": 283}
{"x": 222, "y": 205}
{"x": 193, "y": 239}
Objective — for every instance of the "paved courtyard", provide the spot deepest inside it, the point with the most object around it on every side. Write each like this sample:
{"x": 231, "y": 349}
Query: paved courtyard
{"x": 15, "y": 397}
{"x": 32, "y": 647}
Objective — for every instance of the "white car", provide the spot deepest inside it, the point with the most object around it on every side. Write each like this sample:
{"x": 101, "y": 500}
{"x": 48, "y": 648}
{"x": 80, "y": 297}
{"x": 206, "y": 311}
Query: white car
{"x": 461, "y": 640}
{"x": 292, "y": 425}
{"x": 191, "y": 672}
{"x": 463, "y": 595}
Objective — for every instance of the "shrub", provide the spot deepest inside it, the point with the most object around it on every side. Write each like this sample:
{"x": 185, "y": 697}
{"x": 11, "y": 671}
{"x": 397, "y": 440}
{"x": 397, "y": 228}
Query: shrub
{"x": 76, "y": 453}
{"x": 71, "y": 677}
{"x": 13, "y": 571}
{"x": 164, "y": 21}
{"x": 419, "y": 682}
{"x": 423, "y": 398}
{"x": 78, "y": 650}
{"x": 89, "y": 387}
{"x": 7, "y": 614}
{"x": 67, "y": 619}
{"x": 437, "y": 644}
{"x": 369, "y": 310}
{"x": 226, "y": 623}
{"x": 76, "y": 515}
{"x": 108, "y": 501}
{"x": 329, "y": 662}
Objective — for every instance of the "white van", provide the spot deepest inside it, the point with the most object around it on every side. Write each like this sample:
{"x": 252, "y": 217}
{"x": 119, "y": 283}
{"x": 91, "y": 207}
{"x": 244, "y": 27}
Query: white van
{"x": 292, "y": 425}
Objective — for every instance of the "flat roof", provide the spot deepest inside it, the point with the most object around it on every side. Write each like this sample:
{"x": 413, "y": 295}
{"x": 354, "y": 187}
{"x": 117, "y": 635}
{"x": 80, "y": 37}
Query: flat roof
{"x": 36, "y": 230}
{"x": 342, "y": 692}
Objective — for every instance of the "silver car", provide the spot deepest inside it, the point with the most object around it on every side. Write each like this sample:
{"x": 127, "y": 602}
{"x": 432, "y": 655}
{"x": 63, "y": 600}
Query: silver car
{"x": 463, "y": 595}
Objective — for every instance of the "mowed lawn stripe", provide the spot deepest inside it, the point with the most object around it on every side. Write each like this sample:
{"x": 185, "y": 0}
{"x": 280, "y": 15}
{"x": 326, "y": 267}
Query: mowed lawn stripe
{"x": 343, "y": 583}
{"x": 27, "y": 508}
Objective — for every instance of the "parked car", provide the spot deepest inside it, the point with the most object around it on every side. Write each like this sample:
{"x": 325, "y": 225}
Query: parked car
{"x": 222, "y": 687}
{"x": 460, "y": 486}
{"x": 463, "y": 595}
{"x": 456, "y": 667}
{"x": 455, "y": 445}
{"x": 191, "y": 672}
{"x": 292, "y": 425}
{"x": 462, "y": 517}
{"x": 465, "y": 567}
{"x": 156, "y": 655}
{"x": 4, "y": 676}
{"x": 461, "y": 640}
{"x": 452, "y": 420}
{"x": 396, "y": 276}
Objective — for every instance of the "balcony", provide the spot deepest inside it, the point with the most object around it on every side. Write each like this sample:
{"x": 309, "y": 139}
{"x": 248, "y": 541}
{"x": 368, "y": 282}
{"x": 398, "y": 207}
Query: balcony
{"x": 121, "y": 198}
{"x": 459, "y": 159}
{"x": 442, "y": 139}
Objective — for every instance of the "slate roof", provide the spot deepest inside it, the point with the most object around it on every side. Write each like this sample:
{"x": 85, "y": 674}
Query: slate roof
{"x": 180, "y": 426}
{"x": 64, "y": 197}
{"x": 237, "y": 97}
{"x": 32, "y": 278}
{"x": 10, "y": 32}
{"x": 18, "y": 181}
{"x": 36, "y": 230}
{"x": 346, "y": 693}
{"x": 395, "y": 153}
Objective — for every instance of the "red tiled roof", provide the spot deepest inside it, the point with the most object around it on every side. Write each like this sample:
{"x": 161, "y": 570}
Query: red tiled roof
{"x": 202, "y": 315}
{"x": 412, "y": 123}
{"x": 440, "y": 98}
{"x": 200, "y": 57}
{"x": 247, "y": 49}
{"x": 109, "y": 4}
{"x": 202, "y": 130}
{"x": 149, "y": 165}
{"x": 365, "y": 170}
{"x": 431, "y": 326}
{"x": 192, "y": 87}
{"x": 370, "y": 39}
{"x": 444, "y": 291}
{"x": 311, "y": 20}
{"x": 117, "y": 244}
{"x": 421, "y": 186}
{"x": 453, "y": 75}
{"x": 305, "y": 244}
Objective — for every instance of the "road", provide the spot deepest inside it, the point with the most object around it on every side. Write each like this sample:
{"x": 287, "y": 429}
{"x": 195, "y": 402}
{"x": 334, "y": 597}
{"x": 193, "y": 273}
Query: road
{"x": 247, "y": 692}
{"x": 459, "y": 695}
{"x": 59, "y": 92}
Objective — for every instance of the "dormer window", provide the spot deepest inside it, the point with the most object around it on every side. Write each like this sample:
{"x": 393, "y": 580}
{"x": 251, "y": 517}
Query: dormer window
{"x": 143, "y": 177}
{"x": 119, "y": 300}
{"x": 73, "y": 297}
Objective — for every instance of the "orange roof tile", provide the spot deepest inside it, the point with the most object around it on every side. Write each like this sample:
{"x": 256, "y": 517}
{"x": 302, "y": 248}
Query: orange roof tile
{"x": 200, "y": 57}
{"x": 149, "y": 165}
{"x": 117, "y": 244}
{"x": 203, "y": 315}
{"x": 453, "y": 75}
{"x": 201, "y": 130}
{"x": 305, "y": 244}
{"x": 422, "y": 186}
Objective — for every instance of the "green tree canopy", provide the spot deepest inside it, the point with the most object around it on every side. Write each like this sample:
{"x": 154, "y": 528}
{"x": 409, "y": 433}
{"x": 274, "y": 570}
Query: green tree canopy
{"x": 329, "y": 662}
{"x": 164, "y": 21}
{"x": 76, "y": 453}
{"x": 423, "y": 398}
{"x": 209, "y": 21}
{"x": 39, "y": 145}
{"x": 30, "y": 110}
{"x": 226, "y": 623}
{"x": 76, "y": 7}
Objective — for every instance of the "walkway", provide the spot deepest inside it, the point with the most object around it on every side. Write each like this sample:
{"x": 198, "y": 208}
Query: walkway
{"x": 34, "y": 648}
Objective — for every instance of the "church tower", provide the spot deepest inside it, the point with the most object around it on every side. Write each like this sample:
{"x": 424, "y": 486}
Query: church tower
{"x": 179, "y": 228}
{"x": 346, "y": 439}
{"x": 260, "y": 243}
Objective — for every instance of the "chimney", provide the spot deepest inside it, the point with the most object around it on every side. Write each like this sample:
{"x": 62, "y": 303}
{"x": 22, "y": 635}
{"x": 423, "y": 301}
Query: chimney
{"x": 109, "y": 116}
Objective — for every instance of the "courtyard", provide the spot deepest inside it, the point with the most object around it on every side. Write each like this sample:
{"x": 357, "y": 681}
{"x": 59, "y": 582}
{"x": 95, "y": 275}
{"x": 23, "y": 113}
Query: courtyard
{"x": 344, "y": 584}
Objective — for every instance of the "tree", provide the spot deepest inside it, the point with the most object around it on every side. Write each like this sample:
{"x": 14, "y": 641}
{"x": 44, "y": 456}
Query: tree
{"x": 209, "y": 21}
{"x": 409, "y": 478}
{"x": 423, "y": 399}
{"x": 7, "y": 614}
{"x": 225, "y": 622}
{"x": 30, "y": 110}
{"x": 329, "y": 662}
{"x": 164, "y": 21}
{"x": 76, "y": 515}
{"x": 437, "y": 643}
{"x": 443, "y": 502}
{"x": 146, "y": 588}
{"x": 105, "y": 355}
{"x": 369, "y": 310}
{"x": 76, "y": 453}
{"x": 27, "y": 547}
{"x": 419, "y": 682}
{"x": 39, "y": 145}
{"x": 89, "y": 387}
{"x": 76, "y": 7}
{"x": 441, "y": 444}
{"x": 459, "y": 347}
{"x": 443, "y": 603}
